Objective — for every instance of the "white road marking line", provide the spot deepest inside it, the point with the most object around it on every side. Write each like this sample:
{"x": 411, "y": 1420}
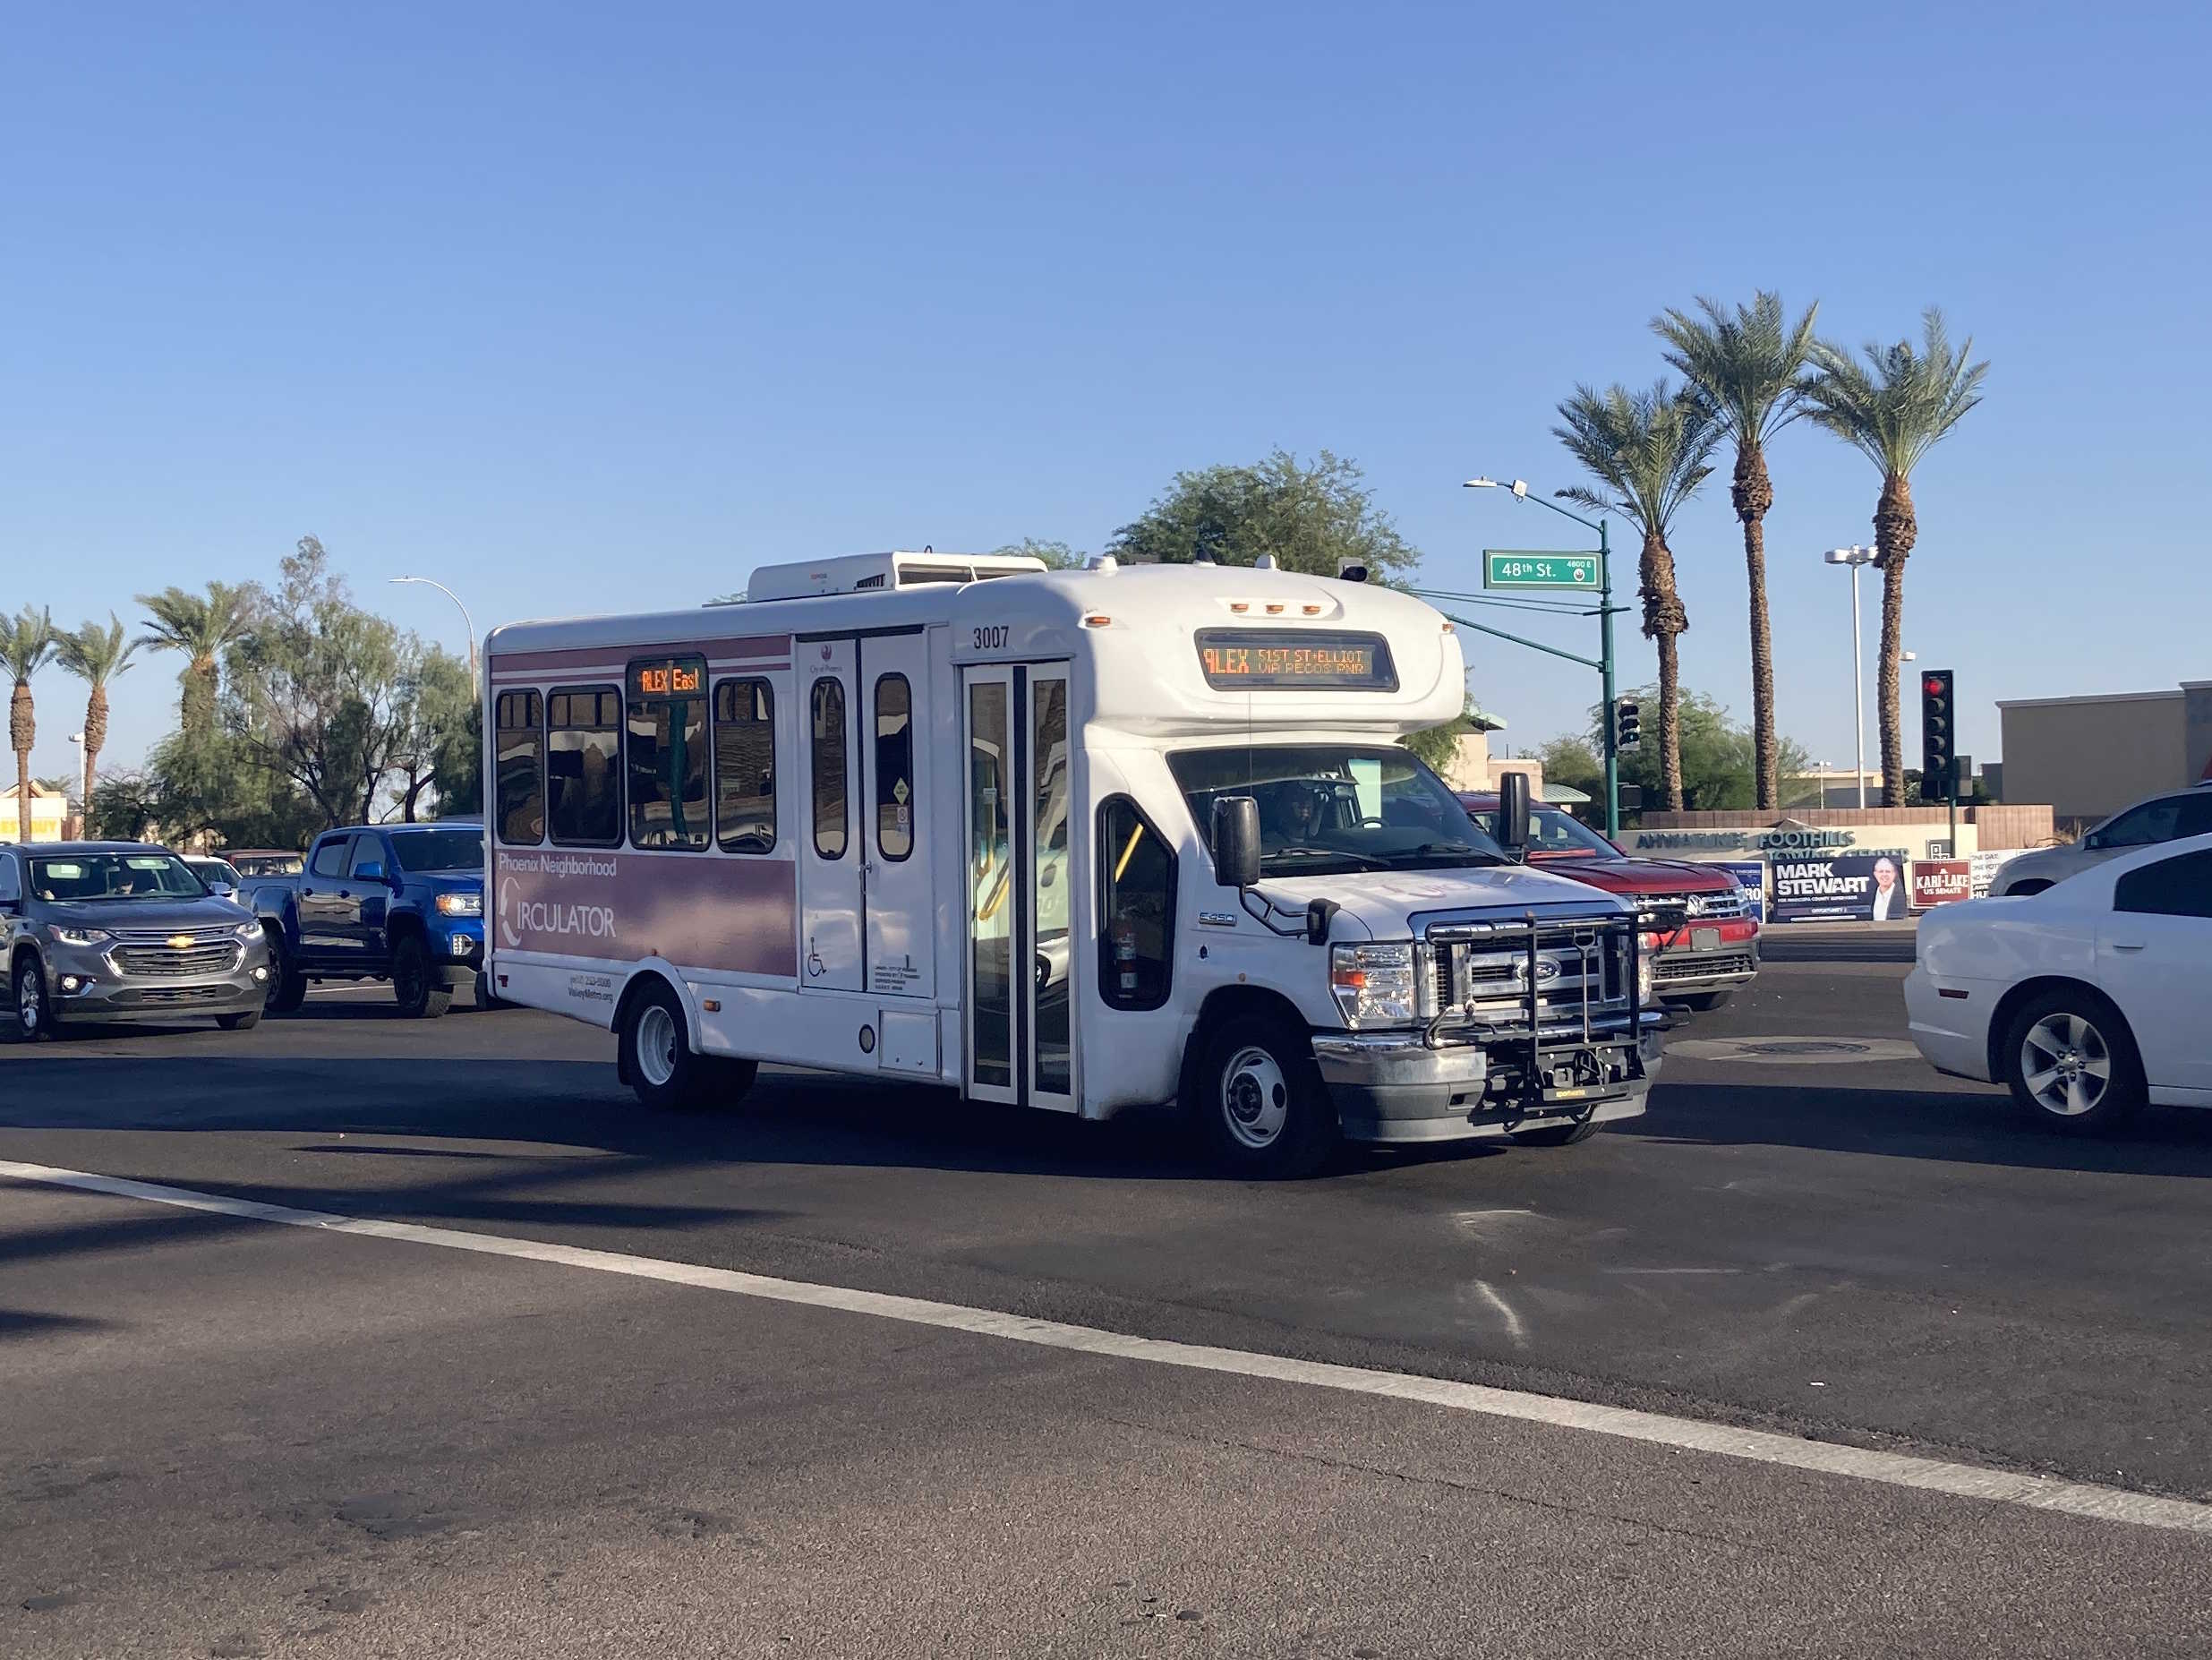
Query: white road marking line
{"x": 1895, "y": 1469}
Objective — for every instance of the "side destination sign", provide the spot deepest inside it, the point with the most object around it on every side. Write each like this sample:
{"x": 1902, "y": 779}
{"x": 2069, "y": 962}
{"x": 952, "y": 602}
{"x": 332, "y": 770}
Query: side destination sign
{"x": 1519, "y": 568}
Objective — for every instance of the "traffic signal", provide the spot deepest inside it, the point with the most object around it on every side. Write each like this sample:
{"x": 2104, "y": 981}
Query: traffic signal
{"x": 1938, "y": 733}
{"x": 1626, "y": 735}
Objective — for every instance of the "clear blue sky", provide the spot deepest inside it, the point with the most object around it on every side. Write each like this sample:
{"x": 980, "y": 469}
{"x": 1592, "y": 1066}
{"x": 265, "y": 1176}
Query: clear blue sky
{"x": 595, "y": 309}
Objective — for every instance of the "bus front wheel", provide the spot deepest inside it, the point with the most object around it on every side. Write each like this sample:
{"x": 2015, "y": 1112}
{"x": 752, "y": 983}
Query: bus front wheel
{"x": 1259, "y": 1100}
{"x": 658, "y": 1060}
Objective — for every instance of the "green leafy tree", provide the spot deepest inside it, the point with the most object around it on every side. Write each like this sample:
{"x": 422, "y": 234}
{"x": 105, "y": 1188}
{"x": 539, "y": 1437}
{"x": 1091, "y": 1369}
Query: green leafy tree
{"x": 205, "y": 784}
{"x": 26, "y": 646}
{"x": 320, "y": 690}
{"x": 1719, "y": 758}
{"x": 96, "y": 655}
{"x": 1893, "y": 408}
{"x": 203, "y": 626}
{"x": 1316, "y": 519}
{"x": 124, "y": 807}
{"x": 1575, "y": 762}
{"x": 1056, "y": 555}
{"x": 1749, "y": 370}
{"x": 457, "y": 769}
{"x": 440, "y": 735}
{"x": 1649, "y": 451}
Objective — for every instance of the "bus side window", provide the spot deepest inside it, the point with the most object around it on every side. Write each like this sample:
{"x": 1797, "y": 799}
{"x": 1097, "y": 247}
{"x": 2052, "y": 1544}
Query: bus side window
{"x": 1136, "y": 908}
{"x": 745, "y": 766}
{"x": 519, "y": 796}
{"x": 583, "y": 766}
{"x": 665, "y": 745}
{"x": 829, "y": 767}
{"x": 894, "y": 767}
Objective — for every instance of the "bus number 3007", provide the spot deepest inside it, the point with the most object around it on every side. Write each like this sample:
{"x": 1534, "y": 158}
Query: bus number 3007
{"x": 991, "y": 639}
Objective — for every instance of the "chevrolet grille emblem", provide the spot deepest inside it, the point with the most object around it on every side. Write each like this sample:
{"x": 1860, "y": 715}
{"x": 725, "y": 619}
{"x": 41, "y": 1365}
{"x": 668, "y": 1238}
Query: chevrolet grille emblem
{"x": 183, "y": 942}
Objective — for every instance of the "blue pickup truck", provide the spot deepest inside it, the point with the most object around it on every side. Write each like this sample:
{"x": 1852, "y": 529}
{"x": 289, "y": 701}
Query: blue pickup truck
{"x": 402, "y": 902}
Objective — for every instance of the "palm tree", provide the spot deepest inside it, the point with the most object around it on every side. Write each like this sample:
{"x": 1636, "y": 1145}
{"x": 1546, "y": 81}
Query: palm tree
{"x": 1895, "y": 407}
{"x": 95, "y": 655}
{"x": 199, "y": 626}
{"x": 26, "y": 646}
{"x": 1651, "y": 451}
{"x": 1749, "y": 370}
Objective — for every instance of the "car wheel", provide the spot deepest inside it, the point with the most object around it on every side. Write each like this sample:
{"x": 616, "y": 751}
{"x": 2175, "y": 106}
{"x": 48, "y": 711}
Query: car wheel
{"x": 34, "y": 1018}
{"x": 1557, "y": 1134}
{"x": 416, "y": 985}
{"x": 287, "y": 988}
{"x": 2072, "y": 1063}
{"x": 1259, "y": 1102}
{"x": 657, "y": 1057}
{"x": 1705, "y": 1002}
{"x": 239, "y": 1023}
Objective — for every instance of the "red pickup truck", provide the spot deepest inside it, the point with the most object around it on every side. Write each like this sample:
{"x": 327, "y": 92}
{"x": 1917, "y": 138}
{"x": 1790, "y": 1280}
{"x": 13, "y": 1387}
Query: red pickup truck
{"x": 1698, "y": 924}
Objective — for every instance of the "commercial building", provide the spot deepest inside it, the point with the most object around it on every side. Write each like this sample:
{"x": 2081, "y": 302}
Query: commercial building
{"x": 2090, "y": 756}
{"x": 49, "y": 814}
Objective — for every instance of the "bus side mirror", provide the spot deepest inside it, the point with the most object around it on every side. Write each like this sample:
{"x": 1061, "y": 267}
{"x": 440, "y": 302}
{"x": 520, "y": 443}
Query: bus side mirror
{"x": 1237, "y": 841}
{"x": 1512, "y": 813}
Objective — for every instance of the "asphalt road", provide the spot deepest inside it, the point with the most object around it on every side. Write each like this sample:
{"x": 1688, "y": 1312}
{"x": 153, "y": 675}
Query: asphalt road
{"x": 227, "y": 1437}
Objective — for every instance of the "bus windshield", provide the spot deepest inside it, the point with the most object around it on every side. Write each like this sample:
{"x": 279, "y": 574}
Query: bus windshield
{"x": 1326, "y": 808}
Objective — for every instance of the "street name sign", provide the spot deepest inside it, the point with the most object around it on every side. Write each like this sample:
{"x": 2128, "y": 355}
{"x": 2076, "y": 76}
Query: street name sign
{"x": 1528, "y": 568}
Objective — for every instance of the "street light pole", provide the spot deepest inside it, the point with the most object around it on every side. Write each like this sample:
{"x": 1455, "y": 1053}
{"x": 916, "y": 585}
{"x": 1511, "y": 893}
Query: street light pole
{"x": 431, "y": 583}
{"x": 1605, "y": 675}
{"x": 1606, "y": 608}
{"x": 1854, "y": 556}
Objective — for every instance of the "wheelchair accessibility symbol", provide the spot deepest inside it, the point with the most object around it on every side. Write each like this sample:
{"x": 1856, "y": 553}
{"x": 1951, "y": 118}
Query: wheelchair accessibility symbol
{"x": 814, "y": 960}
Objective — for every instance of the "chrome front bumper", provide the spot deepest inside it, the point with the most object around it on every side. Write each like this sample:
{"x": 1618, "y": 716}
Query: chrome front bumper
{"x": 1396, "y": 1086}
{"x": 93, "y": 985}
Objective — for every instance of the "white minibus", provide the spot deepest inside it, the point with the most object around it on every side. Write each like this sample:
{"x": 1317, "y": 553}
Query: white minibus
{"x": 1076, "y": 840}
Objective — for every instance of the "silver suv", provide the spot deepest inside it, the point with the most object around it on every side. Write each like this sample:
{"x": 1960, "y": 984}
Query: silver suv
{"x": 2163, "y": 818}
{"x": 98, "y": 931}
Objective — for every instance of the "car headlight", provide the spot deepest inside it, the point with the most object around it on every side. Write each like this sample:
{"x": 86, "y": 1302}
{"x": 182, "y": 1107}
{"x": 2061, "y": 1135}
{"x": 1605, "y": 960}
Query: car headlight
{"x": 1374, "y": 984}
{"x": 461, "y": 904}
{"x": 80, "y": 936}
{"x": 1647, "y": 983}
{"x": 248, "y": 930}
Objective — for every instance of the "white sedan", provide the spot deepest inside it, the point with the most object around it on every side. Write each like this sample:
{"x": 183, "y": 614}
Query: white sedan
{"x": 2089, "y": 998}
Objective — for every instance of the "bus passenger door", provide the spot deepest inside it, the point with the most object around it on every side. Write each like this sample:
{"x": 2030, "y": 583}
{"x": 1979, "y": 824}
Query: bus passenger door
{"x": 831, "y": 847}
{"x": 1021, "y": 970}
{"x": 897, "y": 835}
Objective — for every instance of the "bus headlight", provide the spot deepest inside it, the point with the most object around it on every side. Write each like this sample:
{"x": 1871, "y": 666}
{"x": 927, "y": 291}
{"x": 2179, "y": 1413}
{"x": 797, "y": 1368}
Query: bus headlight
{"x": 1374, "y": 984}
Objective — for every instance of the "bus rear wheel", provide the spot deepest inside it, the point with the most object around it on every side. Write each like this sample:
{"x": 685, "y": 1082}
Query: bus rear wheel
{"x": 1259, "y": 1102}
{"x": 657, "y": 1058}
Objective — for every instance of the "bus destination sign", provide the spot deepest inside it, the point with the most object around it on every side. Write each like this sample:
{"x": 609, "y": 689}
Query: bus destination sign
{"x": 1287, "y": 659}
{"x": 683, "y": 678}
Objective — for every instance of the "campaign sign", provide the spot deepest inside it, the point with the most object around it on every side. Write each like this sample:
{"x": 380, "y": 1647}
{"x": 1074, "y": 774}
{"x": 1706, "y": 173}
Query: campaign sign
{"x": 1864, "y": 885}
{"x": 1984, "y": 869}
{"x": 1940, "y": 882}
{"x": 1750, "y": 874}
